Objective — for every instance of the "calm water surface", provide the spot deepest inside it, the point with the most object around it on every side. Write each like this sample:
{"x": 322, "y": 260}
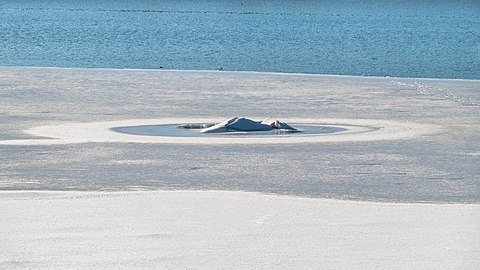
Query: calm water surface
{"x": 384, "y": 38}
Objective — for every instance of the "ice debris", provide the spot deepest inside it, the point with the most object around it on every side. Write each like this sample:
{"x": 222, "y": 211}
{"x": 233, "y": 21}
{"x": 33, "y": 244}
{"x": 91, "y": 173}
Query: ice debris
{"x": 240, "y": 124}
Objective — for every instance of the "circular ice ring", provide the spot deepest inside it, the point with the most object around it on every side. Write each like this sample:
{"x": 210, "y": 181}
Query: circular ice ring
{"x": 354, "y": 130}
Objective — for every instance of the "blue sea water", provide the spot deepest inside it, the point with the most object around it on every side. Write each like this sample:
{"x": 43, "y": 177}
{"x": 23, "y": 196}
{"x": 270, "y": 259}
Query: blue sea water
{"x": 404, "y": 38}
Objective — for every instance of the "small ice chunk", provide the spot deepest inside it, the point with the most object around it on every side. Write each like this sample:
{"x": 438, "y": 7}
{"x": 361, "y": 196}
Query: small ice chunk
{"x": 237, "y": 124}
{"x": 195, "y": 126}
{"x": 277, "y": 124}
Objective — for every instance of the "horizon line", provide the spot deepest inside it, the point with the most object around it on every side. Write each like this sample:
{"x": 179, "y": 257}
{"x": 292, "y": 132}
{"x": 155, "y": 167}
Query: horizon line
{"x": 234, "y": 71}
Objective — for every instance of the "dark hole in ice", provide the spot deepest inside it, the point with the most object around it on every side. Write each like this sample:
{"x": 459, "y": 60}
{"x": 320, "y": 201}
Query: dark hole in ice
{"x": 232, "y": 127}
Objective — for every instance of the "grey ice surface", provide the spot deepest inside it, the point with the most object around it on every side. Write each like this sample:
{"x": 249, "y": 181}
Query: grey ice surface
{"x": 443, "y": 167}
{"x": 173, "y": 130}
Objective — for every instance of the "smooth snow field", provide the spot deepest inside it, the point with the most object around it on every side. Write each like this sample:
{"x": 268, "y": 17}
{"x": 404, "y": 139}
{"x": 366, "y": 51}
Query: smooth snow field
{"x": 231, "y": 230}
{"x": 395, "y": 185}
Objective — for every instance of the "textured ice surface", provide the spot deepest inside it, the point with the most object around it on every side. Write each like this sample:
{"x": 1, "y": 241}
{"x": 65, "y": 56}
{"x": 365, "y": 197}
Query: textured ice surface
{"x": 438, "y": 167}
{"x": 230, "y": 230}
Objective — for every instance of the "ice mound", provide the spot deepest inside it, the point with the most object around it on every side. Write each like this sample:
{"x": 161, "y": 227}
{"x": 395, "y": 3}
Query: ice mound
{"x": 277, "y": 124}
{"x": 244, "y": 124}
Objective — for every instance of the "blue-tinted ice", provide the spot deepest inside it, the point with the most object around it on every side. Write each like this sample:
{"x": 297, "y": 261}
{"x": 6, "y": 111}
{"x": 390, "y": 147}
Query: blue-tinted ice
{"x": 174, "y": 131}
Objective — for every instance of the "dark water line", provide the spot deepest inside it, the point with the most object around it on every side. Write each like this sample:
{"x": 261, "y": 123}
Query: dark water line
{"x": 228, "y": 12}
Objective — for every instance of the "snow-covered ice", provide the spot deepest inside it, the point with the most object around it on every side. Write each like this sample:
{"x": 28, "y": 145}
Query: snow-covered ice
{"x": 231, "y": 230}
{"x": 405, "y": 139}
{"x": 401, "y": 142}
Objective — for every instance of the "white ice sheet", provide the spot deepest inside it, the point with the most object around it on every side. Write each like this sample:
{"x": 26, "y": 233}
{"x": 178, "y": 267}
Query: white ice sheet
{"x": 231, "y": 230}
